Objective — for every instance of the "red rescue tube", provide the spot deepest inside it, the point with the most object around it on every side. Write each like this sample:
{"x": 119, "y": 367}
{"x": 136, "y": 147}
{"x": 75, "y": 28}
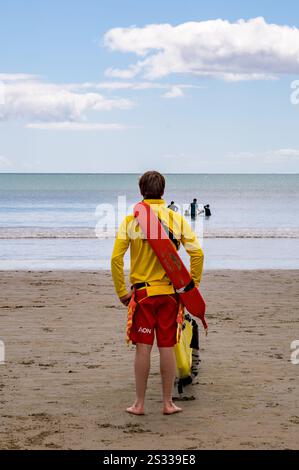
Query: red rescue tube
{"x": 170, "y": 260}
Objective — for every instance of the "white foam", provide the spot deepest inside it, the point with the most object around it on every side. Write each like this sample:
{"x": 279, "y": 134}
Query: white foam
{"x": 90, "y": 233}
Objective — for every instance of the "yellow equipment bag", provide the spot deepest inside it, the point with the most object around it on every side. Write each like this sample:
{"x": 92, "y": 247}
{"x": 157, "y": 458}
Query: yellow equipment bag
{"x": 183, "y": 352}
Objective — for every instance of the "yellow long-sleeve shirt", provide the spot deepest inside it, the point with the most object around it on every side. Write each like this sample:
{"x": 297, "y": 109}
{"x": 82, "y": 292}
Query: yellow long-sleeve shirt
{"x": 145, "y": 266}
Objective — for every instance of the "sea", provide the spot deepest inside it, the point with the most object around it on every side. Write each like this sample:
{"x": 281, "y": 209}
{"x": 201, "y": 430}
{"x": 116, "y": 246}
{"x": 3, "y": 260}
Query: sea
{"x": 69, "y": 221}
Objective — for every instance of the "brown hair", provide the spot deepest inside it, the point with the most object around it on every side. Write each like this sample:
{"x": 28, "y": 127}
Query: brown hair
{"x": 152, "y": 185}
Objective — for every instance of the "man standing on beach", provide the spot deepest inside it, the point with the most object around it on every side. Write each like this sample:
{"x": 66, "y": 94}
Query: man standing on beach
{"x": 157, "y": 302}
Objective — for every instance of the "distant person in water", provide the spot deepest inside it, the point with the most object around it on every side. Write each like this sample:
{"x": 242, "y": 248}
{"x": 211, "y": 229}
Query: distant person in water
{"x": 172, "y": 206}
{"x": 193, "y": 209}
{"x": 207, "y": 210}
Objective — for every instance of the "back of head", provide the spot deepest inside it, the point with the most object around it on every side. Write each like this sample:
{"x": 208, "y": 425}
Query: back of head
{"x": 152, "y": 185}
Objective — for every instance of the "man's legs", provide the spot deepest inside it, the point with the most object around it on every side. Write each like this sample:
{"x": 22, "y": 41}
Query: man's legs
{"x": 167, "y": 369}
{"x": 142, "y": 368}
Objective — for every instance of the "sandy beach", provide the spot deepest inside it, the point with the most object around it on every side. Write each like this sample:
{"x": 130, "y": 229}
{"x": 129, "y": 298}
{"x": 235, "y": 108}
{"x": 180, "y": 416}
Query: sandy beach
{"x": 68, "y": 374}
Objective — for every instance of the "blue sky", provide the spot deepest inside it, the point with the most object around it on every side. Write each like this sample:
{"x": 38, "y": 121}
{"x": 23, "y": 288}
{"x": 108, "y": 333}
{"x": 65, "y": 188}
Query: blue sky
{"x": 195, "y": 96}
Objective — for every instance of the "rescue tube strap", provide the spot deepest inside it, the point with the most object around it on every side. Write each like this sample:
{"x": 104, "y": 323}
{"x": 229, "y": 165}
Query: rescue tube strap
{"x": 186, "y": 288}
{"x": 131, "y": 310}
{"x": 170, "y": 234}
{"x": 180, "y": 321}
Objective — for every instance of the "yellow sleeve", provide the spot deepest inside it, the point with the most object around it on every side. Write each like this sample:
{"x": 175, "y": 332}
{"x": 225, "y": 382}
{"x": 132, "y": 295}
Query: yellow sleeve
{"x": 194, "y": 250}
{"x": 121, "y": 245}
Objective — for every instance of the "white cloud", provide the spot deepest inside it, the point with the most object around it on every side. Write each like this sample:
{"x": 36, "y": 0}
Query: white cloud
{"x": 2, "y": 93}
{"x": 241, "y": 155}
{"x": 268, "y": 154}
{"x": 4, "y": 162}
{"x": 174, "y": 92}
{"x": 15, "y": 77}
{"x": 287, "y": 153}
{"x": 127, "y": 85}
{"x": 33, "y": 99}
{"x": 131, "y": 72}
{"x": 76, "y": 126}
{"x": 245, "y": 50}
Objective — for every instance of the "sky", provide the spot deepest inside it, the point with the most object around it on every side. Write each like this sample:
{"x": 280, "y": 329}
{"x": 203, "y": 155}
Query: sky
{"x": 112, "y": 86}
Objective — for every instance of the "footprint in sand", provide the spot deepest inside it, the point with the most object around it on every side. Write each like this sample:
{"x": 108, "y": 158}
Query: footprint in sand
{"x": 27, "y": 363}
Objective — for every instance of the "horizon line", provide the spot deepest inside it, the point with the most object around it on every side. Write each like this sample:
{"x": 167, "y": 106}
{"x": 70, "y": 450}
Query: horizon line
{"x": 132, "y": 173}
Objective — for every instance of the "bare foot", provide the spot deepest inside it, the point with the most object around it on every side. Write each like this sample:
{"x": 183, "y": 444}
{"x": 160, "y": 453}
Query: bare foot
{"x": 171, "y": 408}
{"x": 136, "y": 410}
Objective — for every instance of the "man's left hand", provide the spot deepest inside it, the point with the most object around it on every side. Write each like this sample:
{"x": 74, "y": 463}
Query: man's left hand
{"x": 125, "y": 299}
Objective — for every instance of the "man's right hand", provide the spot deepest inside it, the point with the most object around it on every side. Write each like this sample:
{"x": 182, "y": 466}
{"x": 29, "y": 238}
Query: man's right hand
{"x": 125, "y": 299}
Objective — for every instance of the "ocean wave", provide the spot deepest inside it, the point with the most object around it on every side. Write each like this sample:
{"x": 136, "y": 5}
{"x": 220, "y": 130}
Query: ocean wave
{"x": 34, "y": 232}
{"x": 90, "y": 233}
{"x": 252, "y": 233}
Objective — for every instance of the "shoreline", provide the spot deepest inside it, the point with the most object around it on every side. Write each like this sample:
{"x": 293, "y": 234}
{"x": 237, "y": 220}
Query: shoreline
{"x": 94, "y": 254}
{"x": 68, "y": 374}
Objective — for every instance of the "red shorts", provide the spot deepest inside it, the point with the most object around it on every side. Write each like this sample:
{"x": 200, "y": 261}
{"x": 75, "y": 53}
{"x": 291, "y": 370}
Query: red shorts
{"x": 158, "y": 312}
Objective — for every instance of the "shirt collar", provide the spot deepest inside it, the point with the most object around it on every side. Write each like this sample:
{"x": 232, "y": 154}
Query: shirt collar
{"x": 154, "y": 201}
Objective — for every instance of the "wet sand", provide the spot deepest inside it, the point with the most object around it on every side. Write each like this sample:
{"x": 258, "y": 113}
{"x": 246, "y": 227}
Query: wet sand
{"x": 68, "y": 374}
